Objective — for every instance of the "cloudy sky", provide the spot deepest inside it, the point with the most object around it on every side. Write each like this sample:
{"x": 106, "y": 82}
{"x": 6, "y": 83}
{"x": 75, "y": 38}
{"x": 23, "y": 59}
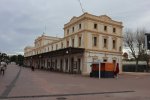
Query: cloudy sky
{"x": 21, "y": 21}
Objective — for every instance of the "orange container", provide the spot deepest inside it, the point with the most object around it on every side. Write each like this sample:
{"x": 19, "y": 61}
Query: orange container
{"x": 103, "y": 67}
{"x": 109, "y": 67}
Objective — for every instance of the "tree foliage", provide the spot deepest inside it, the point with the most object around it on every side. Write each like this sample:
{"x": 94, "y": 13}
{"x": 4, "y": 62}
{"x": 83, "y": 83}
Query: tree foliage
{"x": 135, "y": 41}
{"x": 4, "y": 57}
{"x": 17, "y": 58}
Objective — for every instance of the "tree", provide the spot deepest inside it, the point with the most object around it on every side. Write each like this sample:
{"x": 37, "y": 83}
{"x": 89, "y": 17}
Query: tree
{"x": 4, "y": 57}
{"x": 146, "y": 57}
{"x": 13, "y": 58}
{"x": 18, "y": 59}
{"x": 136, "y": 43}
{"x": 125, "y": 56}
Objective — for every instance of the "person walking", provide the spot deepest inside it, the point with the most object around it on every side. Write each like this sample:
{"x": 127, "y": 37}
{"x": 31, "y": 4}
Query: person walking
{"x": 32, "y": 68}
{"x": 3, "y": 67}
{"x": 116, "y": 71}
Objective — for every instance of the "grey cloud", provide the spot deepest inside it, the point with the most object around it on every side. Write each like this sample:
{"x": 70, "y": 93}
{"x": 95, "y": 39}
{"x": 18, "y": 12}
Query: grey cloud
{"x": 21, "y": 21}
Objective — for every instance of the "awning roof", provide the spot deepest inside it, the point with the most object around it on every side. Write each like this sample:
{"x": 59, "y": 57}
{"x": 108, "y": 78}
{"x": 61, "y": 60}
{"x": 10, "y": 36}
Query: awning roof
{"x": 60, "y": 52}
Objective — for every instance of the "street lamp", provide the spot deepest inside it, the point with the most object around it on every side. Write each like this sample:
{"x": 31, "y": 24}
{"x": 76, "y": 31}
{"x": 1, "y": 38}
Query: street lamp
{"x": 68, "y": 52}
{"x": 99, "y": 68}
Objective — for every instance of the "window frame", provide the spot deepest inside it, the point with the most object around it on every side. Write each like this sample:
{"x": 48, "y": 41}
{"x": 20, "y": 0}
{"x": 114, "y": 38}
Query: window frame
{"x": 105, "y": 28}
{"x": 95, "y": 25}
{"x": 114, "y": 43}
{"x": 67, "y": 31}
{"x": 105, "y": 45}
{"x": 72, "y": 29}
{"x": 79, "y": 41}
{"x": 95, "y": 39}
{"x": 80, "y": 26}
{"x": 73, "y": 42}
{"x": 114, "y": 30}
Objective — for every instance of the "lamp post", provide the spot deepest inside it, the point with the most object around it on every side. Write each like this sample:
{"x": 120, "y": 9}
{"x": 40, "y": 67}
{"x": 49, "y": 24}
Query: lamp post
{"x": 99, "y": 67}
{"x": 67, "y": 52}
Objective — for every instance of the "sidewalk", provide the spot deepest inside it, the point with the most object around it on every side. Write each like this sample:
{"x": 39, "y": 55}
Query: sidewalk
{"x": 47, "y": 85}
{"x": 135, "y": 73}
{"x": 8, "y": 77}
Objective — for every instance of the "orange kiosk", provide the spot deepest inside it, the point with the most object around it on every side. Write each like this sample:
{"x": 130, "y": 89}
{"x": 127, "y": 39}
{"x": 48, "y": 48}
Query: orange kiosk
{"x": 104, "y": 70}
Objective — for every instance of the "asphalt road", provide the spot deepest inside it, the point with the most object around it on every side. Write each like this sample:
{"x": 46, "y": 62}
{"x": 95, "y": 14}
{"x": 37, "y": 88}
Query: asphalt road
{"x": 20, "y": 83}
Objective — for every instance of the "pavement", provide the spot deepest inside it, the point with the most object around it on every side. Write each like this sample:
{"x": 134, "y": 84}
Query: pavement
{"x": 20, "y": 83}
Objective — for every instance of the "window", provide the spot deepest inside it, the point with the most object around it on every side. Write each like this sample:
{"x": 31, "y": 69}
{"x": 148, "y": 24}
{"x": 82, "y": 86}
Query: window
{"x": 120, "y": 48}
{"x": 72, "y": 42}
{"x": 114, "y": 30}
{"x": 67, "y": 43}
{"x": 56, "y": 46}
{"x": 55, "y": 64}
{"x": 105, "y": 60}
{"x": 79, "y": 41}
{"x": 67, "y": 31}
{"x": 61, "y": 45}
{"x": 52, "y": 47}
{"x": 72, "y": 29}
{"x": 95, "y": 26}
{"x": 66, "y": 64}
{"x": 114, "y": 44}
{"x": 79, "y": 26}
{"x": 105, "y": 28}
{"x": 105, "y": 43}
{"x": 114, "y": 62}
{"x": 94, "y": 41}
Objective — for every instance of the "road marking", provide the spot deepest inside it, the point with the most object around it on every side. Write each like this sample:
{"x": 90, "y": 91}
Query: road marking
{"x": 62, "y": 95}
{"x": 11, "y": 85}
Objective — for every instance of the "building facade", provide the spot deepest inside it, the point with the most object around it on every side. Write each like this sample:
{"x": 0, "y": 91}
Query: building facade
{"x": 87, "y": 38}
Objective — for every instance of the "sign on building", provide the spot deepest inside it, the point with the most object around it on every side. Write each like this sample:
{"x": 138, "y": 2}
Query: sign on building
{"x": 147, "y": 40}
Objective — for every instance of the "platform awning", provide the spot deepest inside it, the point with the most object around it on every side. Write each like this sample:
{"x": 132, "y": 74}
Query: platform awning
{"x": 60, "y": 52}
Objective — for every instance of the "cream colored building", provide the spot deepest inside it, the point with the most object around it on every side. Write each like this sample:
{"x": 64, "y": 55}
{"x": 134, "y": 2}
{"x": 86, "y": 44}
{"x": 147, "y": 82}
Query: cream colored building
{"x": 87, "y": 38}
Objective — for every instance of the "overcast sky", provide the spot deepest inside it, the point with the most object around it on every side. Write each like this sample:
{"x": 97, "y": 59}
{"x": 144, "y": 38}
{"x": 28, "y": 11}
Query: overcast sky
{"x": 21, "y": 21}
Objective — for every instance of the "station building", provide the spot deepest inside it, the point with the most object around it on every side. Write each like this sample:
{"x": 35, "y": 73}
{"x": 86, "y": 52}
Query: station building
{"x": 87, "y": 38}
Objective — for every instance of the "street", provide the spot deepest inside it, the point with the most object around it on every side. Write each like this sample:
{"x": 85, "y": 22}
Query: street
{"x": 20, "y": 83}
